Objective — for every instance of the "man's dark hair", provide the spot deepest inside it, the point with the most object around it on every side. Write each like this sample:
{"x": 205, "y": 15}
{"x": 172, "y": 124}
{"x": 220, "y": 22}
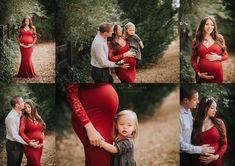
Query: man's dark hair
{"x": 105, "y": 27}
{"x": 186, "y": 93}
{"x": 15, "y": 100}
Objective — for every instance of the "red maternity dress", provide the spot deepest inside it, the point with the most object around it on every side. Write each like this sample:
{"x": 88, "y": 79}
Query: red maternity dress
{"x": 31, "y": 131}
{"x": 26, "y": 66}
{"x": 125, "y": 75}
{"x": 204, "y": 66}
{"x": 98, "y": 104}
{"x": 211, "y": 136}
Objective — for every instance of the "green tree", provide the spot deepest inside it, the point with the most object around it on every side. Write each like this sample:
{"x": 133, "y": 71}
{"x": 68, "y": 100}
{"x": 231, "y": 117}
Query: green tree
{"x": 155, "y": 23}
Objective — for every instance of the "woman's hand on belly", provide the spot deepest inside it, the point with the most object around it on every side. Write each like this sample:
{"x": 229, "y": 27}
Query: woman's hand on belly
{"x": 93, "y": 135}
{"x": 129, "y": 54}
{"x": 208, "y": 158}
{"x": 26, "y": 46}
{"x": 205, "y": 76}
{"x": 213, "y": 57}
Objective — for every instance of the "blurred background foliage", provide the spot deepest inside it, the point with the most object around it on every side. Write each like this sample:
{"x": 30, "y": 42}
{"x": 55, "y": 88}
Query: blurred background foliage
{"x": 42, "y": 94}
{"x": 78, "y": 21}
{"x": 190, "y": 14}
{"x": 225, "y": 97}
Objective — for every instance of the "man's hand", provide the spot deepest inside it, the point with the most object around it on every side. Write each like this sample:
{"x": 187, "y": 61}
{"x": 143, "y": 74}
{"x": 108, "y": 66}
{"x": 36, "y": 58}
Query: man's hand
{"x": 206, "y": 148}
{"x": 124, "y": 66}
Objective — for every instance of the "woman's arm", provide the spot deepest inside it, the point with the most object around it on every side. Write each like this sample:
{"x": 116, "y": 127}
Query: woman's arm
{"x": 108, "y": 147}
{"x": 224, "y": 145}
{"x": 75, "y": 103}
{"x": 23, "y": 120}
{"x": 225, "y": 54}
{"x": 194, "y": 57}
{"x": 113, "y": 57}
{"x": 19, "y": 36}
{"x": 34, "y": 35}
{"x": 81, "y": 115}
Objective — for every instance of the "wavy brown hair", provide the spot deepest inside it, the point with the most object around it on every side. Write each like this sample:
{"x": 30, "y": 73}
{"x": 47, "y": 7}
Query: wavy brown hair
{"x": 114, "y": 44}
{"x": 30, "y": 24}
{"x": 214, "y": 34}
{"x": 201, "y": 114}
{"x": 34, "y": 113}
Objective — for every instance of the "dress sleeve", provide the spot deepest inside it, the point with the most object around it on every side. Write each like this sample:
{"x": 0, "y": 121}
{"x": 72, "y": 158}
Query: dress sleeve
{"x": 124, "y": 146}
{"x": 34, "y": 35}
{"x": 113, "y": 57}
{"x": 75, "y": 103}
{"x": 19, "y": 35}
{"x": 23, "y": 120}
{"x": 225, "y": 54}
{"x": 194, "y": 57}
{"x": 224, "y": 145}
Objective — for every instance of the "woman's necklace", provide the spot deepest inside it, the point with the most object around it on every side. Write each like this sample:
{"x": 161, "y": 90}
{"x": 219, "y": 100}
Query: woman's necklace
{"x": 121, "y": 41}
{"x": 208, "y": 41}
{"x": 26, "y": 28}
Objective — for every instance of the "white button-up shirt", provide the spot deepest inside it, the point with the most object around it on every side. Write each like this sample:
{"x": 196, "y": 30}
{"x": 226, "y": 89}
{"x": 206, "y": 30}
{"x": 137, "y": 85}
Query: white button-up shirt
{"x": 12, "y": 122}
{"x": 186, "y": 128}
{"x": 99, "y": 53}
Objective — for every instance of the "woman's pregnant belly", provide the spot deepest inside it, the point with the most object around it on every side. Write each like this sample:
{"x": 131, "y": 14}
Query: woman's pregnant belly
{"x": 210, "y": 67}
{"x": 36, "y": 135}
{"x": 26, "y": 39}
{"x": 130, "y": 61}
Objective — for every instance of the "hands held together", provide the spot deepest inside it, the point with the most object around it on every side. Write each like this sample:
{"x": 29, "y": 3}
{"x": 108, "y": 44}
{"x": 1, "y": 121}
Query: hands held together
{"x": 35, "y": 144}
{"x": 94, "y": 136}
{"x": 208, "y": 155}
{"x": 26, "y": 46}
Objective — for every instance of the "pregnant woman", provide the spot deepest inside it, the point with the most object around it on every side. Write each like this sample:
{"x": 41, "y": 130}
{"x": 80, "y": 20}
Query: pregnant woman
{"x": 26, "y": 39}
{"x": 208, "y": 129}
{"x": 94, "y": 107}
{"x": 119, "y": 50}
{"x": 210, "y": 48}
{"x": 32, "y": 128}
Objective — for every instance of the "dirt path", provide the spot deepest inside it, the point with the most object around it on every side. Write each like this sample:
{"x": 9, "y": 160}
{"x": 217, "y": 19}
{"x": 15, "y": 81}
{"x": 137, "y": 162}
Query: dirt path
{"x": 158, "y": 143}
{"x": 48, "y": 155}
{"x": 44, "y": 64}
{"x": 166, "y": 70}
{"x": 229, "y": 69}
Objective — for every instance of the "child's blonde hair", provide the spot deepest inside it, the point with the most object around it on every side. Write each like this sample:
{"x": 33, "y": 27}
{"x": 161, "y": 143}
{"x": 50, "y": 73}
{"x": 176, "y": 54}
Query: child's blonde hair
{"x": 128, "y": 25}
{"x": 135, "y": 133}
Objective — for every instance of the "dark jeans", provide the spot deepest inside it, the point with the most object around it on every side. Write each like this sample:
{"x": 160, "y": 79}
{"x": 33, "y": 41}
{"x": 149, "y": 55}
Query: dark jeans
{"x": 14, "y": 153}
{"x": 185, "y": 159}
{"x": 101, "y": 75}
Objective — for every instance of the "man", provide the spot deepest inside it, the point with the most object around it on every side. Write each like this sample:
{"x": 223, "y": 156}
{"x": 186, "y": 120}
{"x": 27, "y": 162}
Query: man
{"x": 189, "y": 99}
{"x": 99, "y": 56}
{"x": 14, "y": 142}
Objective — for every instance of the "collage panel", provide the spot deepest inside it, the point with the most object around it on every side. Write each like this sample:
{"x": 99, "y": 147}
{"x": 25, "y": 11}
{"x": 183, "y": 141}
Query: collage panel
{"x": 27, "y": 125}
{"x": 207, "y": 41}
{"x": 117, "y": 41}
{"x": 207, "y": 124}
{"x": 110, "y": 111}
{"x": 27, "y": 41}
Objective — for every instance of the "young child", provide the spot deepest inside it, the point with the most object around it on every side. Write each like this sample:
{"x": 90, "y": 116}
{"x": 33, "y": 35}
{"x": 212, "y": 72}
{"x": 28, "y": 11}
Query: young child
{"x": 133, "y": 39}
{"x": 126, "y": 130}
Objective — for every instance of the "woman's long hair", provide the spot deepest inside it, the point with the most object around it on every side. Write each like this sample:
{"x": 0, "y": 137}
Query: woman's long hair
{"x": 34, "y": 112}
{"x": 201, "y": 114}
{"x": 114, "y": 44}
{"x": 214, "y": 34}
{"x": 30, "y": 24}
